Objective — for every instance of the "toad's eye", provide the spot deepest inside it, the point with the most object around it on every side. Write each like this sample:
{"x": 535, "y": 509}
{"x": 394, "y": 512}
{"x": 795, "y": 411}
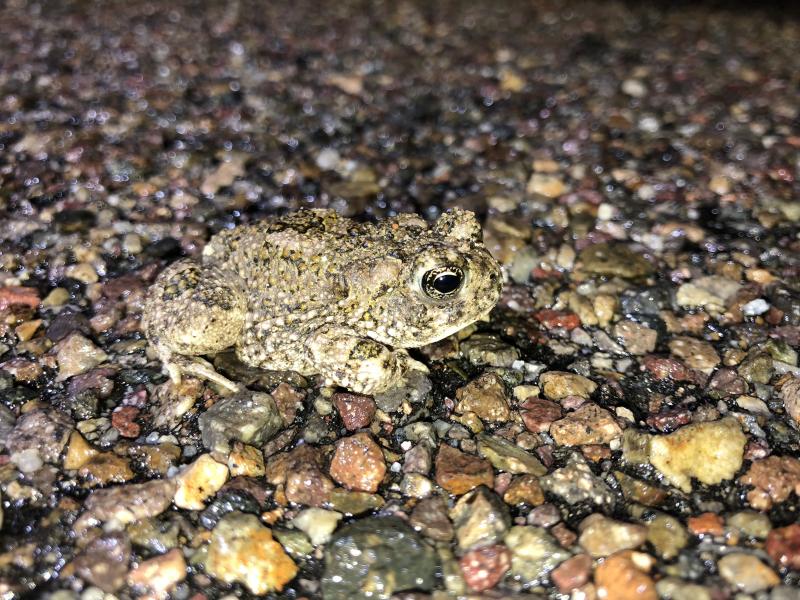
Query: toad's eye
{"x": 442, "y": 282}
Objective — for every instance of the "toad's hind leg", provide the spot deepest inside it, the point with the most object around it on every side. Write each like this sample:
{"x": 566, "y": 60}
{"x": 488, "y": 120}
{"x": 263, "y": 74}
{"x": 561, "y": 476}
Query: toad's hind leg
{"x": 193, "y": 310}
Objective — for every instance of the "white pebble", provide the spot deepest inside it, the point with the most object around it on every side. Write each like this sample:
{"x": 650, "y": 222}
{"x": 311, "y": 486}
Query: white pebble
{"x": 328, "y": 159}
{"x": 755, "y": 307}
{"x": 634, "y": 87}
{"x": 28, "y": 460}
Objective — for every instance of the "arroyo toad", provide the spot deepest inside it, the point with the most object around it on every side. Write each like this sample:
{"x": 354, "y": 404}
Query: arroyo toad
{"x": 318, "y": 293}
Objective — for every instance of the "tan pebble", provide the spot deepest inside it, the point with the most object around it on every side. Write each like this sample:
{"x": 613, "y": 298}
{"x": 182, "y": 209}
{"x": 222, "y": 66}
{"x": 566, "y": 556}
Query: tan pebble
{"x": 160, "y": 574}
{"x": 245, "y": 460}
{"x": 199, "y": 481}
{"x": 79, "y": 452}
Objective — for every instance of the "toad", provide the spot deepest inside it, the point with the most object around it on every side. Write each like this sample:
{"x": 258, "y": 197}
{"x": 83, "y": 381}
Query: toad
{"x": 321, "y": 294}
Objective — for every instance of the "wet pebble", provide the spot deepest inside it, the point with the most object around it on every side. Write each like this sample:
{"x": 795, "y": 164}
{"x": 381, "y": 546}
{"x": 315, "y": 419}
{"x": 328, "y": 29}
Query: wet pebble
{"x": 358, "y": 463}
{"x": 534, "y": 553}
{"x": 252, "y": 418}
{"x": 76, "y": 355}
{"x": 243, "y": 550}
{"x": 479, "y": 518}
{"x": 601, "y": 536}
{"x": 459, "y": 472}
{"x": 199, "y": 481}
{"x": 377, "y": 553}
{"x": 710, "y": 452}
{"x": 747, "y": 573}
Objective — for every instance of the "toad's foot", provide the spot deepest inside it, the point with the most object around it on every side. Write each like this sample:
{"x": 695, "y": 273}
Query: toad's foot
{"x": 177, "y": 366}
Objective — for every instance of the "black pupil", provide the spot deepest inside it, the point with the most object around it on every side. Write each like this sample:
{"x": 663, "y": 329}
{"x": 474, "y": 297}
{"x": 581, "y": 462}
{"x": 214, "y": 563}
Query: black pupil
{"x": 446, "y": 283}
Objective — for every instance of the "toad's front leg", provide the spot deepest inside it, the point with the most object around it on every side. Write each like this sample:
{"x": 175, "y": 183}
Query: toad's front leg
{"x": 359, "y": 364}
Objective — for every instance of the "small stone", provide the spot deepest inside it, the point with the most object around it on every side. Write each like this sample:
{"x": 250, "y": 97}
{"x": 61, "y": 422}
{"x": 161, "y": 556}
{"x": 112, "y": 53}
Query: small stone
{"x": 672, "y": 588}
{"x": 706, "y": 524}
{"x": 551, "y": 186}
{"x": 483, "y": 349}
{"x": 750, "y": 523}
{"x": 416, "y": 486}
{"x": 572, "y": 573}
{"x": 27, "y": 461}
{"x": 638, "y": 490}
{"x": 746, "y": 573}
{"x": 430, "y": 518}
{"x": 534, "y": 553}
{"x": 77, "y": 355}
{"x": 634, "y": 87}
{"x": 317, "y": 524}
{"x": 104, "y": 561}
{"x": 458, "y": 472}
{"x": 486, "y": 397}
{"x": 83, "y": 272}
{"x": 358, "y": 463}
{"x": 199, "y": 481}
{"x": 601, "y": 536}
{"x": 26, "y": 330}
{"x": 377, "y": 553}
{"x": 557, "y": 385}
{"x": 555, "y": 319}
{"x": 613, "y": 260}
{"x": 26, "y": 371}
{"x": 44, "y": 431}
{"x": 719, "y": 184}
{"x": 790, "y": 394}
{"x": 356, "y": 410}
{"x": 711, "y": 293}
{"x": 418, "y": 460}
{"x": 105, "y": 468}
{"x": 576, "y": 483}
{"x": 619, "y": 578}
{"x": 118, "y": 506}
{"x": 159, "y": 575}
{"x": 757, "y": 367}
{"x": 18, "y": 295}
{"x": 508, "y": 457}
{"x": 638, "y": 339}
{"x": 538, "y": 414}
{"x": 484, "y": 567}
{"x": 667, "y": 535}
{"x": 604, "y": 308}
{"x": 245, "y": 461}
{"x": 57, "y": 297}
{"x": 697, "y": 354}
{"x": 289, "y": 401}
{"x": 79, "y": 452}
{"x": 227, "y": 501}
{"x": 711, "y": 452}
{"x": 231, "y": 167}
{"x": 249, "y": 417}
{"x": 590, "y": 424}
{"x": 123, "y": 419}
{"x": 774, "y": 479}
{"x": 156, "y": 459}
{"x": 479, "y": 518}
{"x": 328, "y": 159}
{"x": 243, "y": 551}
{"x": 783, "y": 546}
{"x": 524, "y": 489}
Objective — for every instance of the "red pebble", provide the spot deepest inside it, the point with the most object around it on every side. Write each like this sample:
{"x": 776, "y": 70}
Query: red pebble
{"x": 783, "y": 546}
{"x": 557, "y": 319}
{"x": 484, "y": 567}
{"x": 123, "y": 420}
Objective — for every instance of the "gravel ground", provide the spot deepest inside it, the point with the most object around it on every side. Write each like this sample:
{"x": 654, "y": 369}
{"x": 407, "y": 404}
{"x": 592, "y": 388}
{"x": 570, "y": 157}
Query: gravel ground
{"x": 625, "y": 425}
